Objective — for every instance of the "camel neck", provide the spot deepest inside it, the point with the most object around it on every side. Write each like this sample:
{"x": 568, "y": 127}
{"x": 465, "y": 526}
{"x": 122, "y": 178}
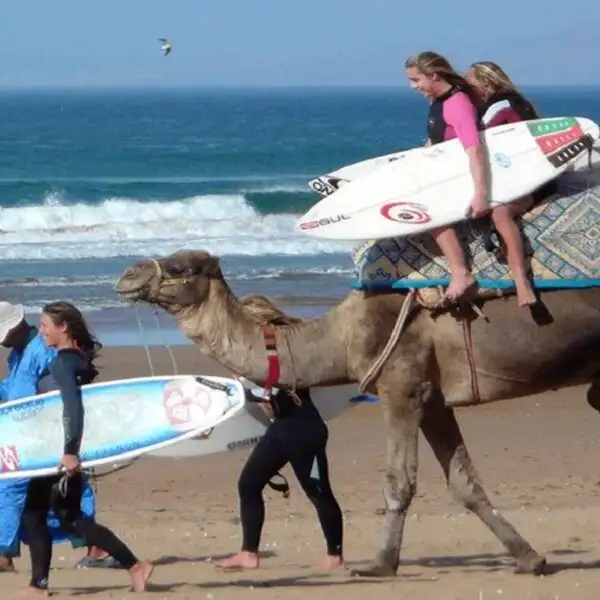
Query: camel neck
{"x": 227, "y": 332}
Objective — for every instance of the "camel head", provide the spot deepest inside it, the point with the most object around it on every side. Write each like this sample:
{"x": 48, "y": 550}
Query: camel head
{"x": 173, "y": 283}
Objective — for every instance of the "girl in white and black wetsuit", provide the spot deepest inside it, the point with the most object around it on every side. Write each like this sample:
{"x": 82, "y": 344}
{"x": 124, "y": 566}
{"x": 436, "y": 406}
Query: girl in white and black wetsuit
{"x": 501, "y": 104}
{"x": 62, "y": 326}
{"x": 296, "y": 435}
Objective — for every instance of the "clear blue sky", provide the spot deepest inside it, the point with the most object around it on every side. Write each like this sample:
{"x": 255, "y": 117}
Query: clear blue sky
{"x": 290, "y": 42}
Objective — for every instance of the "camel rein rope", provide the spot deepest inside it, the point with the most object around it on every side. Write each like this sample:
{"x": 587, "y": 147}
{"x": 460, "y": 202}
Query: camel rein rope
{"x": 376, "y": 367}
{"x": 92, "y": 473}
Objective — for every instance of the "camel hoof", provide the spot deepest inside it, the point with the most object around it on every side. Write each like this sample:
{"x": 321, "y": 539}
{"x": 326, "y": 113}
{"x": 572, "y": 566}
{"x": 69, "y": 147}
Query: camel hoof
{"x": 373, "y": 569}
{"x": 532, "y": 564}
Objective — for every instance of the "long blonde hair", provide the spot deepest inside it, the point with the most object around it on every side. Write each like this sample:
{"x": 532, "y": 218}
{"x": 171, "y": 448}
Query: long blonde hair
{"x": 493, "y": 78}
{"x": 265, "y": 311}
{"x": 431, "y": 63}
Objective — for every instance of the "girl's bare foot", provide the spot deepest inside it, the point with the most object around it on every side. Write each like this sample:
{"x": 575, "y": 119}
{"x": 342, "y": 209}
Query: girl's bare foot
{"x": 140, "y": 574}
{"x": 459, "y": 285}
{"x": 241, "y": 560}
{"x": 95, "y": 552}
{"x": 330, "y": 562}
{"x": 525, "y": 294}
{"x": 32, "y": 592}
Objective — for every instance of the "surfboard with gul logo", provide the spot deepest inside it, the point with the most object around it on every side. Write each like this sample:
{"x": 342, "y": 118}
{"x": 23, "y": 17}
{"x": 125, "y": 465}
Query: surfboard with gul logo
{"x": 123, "y": 419}
{"x": 407, "y": 193}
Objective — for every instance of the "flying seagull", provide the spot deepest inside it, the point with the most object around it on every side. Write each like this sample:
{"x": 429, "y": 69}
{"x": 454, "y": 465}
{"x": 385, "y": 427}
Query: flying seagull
{"x": 166, "y": 46}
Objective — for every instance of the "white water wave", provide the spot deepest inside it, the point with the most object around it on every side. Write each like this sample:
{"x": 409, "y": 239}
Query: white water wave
{"x": 222, "y": 224}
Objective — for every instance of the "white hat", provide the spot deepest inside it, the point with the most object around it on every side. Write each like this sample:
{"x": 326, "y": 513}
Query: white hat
{"x": 10, "y": 316}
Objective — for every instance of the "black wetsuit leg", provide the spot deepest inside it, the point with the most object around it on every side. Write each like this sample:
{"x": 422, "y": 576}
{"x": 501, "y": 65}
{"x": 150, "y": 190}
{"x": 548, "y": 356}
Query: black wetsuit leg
{"x": 265, "y": 460}
{"x": 67, "y": 508}
{"x": 301, "y": 440}
{"x": 312, "y": 471}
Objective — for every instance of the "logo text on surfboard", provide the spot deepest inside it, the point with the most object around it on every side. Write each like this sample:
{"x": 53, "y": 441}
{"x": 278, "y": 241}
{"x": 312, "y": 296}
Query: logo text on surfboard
{"x": 405, "y": 212}
{"x": 326, "y": 185}
{"x": 559, "y": 139}
{"x": 323, "y": 222}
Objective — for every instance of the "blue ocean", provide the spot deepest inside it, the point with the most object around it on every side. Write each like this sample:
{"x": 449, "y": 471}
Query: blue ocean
{"x": 91, "y": 180}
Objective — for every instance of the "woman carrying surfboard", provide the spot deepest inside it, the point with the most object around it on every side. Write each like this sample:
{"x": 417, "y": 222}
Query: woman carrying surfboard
{"x": 452, "y": 114}
{"x": 28, "y": 362}
{"x": 297, "y": 435}
{"x": 62, "y": 326}
{"x": 501, "y": 104}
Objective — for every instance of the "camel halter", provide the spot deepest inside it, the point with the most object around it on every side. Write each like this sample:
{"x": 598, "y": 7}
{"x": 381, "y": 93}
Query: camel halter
{"x": 162, "y": 280}
{"x": 272, "y": 358}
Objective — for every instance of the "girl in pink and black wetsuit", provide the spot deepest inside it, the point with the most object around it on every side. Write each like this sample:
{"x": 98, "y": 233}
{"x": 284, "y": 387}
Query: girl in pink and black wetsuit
{"x": 501, "y": 104}
{"x": 452, "y": 114}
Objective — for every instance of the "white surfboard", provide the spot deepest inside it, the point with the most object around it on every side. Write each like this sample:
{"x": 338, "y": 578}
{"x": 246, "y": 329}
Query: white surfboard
{"x": 326, "y": 184}
{"x": 424, "y": 188}
{"x": 123, "y": 419}
{"x": 246, "y": 427}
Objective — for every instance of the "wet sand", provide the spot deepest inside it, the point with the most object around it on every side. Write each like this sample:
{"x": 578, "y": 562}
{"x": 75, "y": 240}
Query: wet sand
{"x": 537, "y": 457}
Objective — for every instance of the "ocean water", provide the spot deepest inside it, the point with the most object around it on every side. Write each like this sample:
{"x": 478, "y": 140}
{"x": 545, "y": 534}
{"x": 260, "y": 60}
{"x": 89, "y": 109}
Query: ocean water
{"x": 90, "y": 181}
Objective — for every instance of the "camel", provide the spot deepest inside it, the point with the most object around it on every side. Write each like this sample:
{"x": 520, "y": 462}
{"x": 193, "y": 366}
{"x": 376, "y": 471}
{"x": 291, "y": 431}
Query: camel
{"x": 426, "y": 375}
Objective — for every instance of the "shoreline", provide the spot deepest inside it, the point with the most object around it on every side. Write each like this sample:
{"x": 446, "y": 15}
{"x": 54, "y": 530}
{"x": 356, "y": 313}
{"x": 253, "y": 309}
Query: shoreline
{"x": 138, "y": 326}
{"x": 125, "y": 362}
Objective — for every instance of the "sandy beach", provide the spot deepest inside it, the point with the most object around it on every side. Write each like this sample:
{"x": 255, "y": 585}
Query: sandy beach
{"x": 537, "y": 457}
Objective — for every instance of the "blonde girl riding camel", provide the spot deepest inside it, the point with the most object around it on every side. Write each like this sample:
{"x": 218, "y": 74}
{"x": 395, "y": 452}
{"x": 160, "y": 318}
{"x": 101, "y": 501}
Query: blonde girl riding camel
{"x": 501, "y": 104}
{"x": 453, "y": 114}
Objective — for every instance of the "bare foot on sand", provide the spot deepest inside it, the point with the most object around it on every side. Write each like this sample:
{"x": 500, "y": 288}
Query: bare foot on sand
{"x": 525, "y": 294}
{"x": 241, "y": 560}
{"x": 140, "y": 574}
{"x": 95, "y": 552}
{"x": 31, "y": 592}
{"x": 459, "y": 286}
{"x": 330, "y": 562}
{"x": 6, "y": 565}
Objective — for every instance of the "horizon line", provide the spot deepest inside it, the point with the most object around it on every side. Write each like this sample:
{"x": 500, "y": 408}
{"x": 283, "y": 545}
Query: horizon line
{"x": 249, "y": 87}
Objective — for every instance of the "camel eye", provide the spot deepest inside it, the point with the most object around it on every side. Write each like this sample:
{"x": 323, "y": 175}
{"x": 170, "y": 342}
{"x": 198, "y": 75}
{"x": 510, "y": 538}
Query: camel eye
{"x": 177, "y": 269}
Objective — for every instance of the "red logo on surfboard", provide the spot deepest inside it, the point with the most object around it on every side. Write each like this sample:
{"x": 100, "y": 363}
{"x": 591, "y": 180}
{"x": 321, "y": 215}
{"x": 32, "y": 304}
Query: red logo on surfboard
{"x": 555, "y": 141}
{"x": 186, "y": 404}
{"x": 9, "y": 459}
{"x": 405, "y": 212}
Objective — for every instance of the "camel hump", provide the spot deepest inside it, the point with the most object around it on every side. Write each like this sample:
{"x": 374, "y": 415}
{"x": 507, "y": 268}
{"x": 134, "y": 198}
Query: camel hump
{"x": 560, "y": 234}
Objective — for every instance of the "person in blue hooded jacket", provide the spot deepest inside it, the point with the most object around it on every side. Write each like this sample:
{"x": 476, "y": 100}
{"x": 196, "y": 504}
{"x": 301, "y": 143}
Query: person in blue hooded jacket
{"x": 28, "y": 375}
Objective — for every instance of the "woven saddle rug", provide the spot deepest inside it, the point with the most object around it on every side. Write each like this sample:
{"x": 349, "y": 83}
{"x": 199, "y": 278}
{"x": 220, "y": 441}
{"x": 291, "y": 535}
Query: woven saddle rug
{"x": 562, "y": 243}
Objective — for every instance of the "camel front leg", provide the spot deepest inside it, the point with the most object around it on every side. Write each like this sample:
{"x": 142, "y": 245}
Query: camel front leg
{"x": 440, "y": 428}
{"x": 402, "y": 419}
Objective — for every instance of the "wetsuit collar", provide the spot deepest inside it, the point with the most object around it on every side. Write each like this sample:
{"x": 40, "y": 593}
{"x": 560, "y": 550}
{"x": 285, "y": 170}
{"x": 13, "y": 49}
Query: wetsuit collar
{"x": 451, "y": 90}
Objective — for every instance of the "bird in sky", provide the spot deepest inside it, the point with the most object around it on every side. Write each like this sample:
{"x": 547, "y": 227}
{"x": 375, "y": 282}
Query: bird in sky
{"x": 166, "y": 45}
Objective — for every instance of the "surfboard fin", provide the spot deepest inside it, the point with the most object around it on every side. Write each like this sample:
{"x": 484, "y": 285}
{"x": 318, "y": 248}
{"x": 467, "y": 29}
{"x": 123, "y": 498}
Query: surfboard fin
{"x": 214, "y": 385}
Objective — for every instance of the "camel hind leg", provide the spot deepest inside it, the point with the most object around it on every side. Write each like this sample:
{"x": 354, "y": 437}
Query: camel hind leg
{"x": 442, "y": 431}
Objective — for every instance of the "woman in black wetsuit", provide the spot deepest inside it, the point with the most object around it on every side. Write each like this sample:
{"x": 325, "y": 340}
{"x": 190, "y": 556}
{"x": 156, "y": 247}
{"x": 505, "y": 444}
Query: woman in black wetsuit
{"x": 296, "y": 435}
{"x": 62, "y": 326}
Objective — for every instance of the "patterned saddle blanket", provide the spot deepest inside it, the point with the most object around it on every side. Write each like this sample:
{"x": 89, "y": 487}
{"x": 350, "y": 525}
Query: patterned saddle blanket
{"x": 562, "y": 241}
